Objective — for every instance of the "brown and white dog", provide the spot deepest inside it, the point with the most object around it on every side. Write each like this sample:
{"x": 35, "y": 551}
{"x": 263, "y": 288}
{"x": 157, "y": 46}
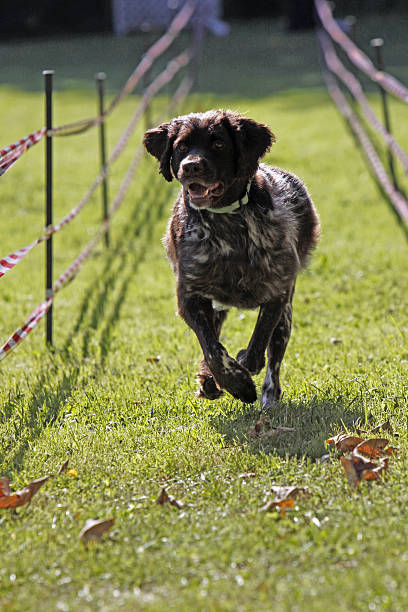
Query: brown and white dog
{"x": 239, "y": 234}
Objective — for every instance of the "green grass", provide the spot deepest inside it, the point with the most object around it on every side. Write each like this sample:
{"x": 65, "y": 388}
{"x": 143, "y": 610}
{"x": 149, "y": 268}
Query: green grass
{"x": 131, "y": 425}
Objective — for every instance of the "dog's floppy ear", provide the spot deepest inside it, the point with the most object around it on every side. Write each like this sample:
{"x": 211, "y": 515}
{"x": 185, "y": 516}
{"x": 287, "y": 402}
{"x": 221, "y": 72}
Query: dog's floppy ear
{"x": 160, "y": 145}
{"x": 252, "y": 141}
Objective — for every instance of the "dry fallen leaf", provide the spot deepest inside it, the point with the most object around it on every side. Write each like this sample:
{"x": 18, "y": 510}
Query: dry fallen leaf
{"x": 344, "y": 442}
{"x": 165, "y": 498}
{"x": 95, "y": 529}
{"x": 19, "y": 498}
{"x": 5, "y": 490}
{"x": 63, "y": 467}
{"x": 284, "y": 497}
{"x": 351, "y": 473}
{"x": 374, "y": 447}
{"x": 275, "y": 503}
{"x": 358, "y": 468}
{"x": 287, "y": 491}
{"x": 263, "y": 429}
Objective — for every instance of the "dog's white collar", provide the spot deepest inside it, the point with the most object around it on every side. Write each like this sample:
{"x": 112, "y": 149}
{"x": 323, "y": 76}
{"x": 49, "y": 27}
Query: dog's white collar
{"x": 231, "y": 207}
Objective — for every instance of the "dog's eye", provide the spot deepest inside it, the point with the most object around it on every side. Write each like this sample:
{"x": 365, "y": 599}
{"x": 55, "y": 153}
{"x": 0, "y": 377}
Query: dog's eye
{"x": 182, "y": 147}
{"x": 218, "y": 144}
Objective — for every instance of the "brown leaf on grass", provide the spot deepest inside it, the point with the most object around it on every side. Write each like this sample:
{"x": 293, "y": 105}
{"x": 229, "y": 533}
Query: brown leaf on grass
{"x": 344, "y": 442}
{"x": 375, "y": 473}
{"x": 5, "y": 490}
{"x": 95, "y": 529}
{"x": 284, "y": 497}
{"x": 264, "y": 429}
{"x": 277, "y": 503}
{"x": 63, "y": 467}
{"x": 358, "y": 468}
{"x": 351, "y": 472}
{"x": 263, "y": 423}
{"x": 165, "y": 498}
{"x": 19, "y": 498}
{"x": 155, "y": 359}
{"x": 373, "y": 447}
{"x": 288, "y": 491}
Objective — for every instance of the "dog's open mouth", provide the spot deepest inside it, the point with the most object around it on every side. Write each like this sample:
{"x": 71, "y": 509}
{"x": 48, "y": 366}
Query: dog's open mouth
{"x": 200, "y": 193}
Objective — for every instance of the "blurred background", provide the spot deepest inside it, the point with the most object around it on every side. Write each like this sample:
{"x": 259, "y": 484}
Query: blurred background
{"x": 51, "y": 17}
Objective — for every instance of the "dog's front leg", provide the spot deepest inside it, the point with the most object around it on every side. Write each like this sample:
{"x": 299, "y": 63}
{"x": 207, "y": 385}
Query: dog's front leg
{"x": 253, "y": 358}
{"x": 229, "y": 374}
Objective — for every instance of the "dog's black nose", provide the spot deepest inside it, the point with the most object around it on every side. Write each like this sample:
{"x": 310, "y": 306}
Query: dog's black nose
{"x": 194, "y": 167}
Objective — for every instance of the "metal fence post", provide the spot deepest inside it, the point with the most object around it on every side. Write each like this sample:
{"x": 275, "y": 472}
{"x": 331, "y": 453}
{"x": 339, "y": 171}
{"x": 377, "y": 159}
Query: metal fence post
{"x": 48, "y": 77}
{"x": 100, "y": 83}
{"x": 377, "y": 44}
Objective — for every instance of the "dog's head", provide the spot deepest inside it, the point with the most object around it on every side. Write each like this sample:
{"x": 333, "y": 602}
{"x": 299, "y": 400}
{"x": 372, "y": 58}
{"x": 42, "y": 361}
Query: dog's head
{"x": 212, "y": 154}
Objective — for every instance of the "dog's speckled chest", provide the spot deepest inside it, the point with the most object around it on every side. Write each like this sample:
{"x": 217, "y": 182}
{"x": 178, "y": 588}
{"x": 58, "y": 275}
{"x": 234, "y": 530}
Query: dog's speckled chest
{"x": 242, "y": 259}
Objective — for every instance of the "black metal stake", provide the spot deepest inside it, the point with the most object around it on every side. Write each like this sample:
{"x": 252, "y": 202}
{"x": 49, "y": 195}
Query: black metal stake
{"x": 377, "y": 44}
{"x": 48, "y": 74}
{"x": 100, "y": 83}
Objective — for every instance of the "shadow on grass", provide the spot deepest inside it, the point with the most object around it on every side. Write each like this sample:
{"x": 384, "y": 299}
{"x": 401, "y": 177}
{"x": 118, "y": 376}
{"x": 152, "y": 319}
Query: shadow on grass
{"x": 312, "y": 422}
{"x": 40, "y": 407}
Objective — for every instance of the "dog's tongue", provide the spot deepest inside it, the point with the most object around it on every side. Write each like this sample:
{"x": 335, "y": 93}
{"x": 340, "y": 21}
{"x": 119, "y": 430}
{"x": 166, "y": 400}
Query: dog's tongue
{"x": 197, "y": 190}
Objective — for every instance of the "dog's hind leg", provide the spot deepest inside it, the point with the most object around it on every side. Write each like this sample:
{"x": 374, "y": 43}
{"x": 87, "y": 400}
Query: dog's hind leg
{"x": 271, "y": 390}
{"x": 208, "y": 387}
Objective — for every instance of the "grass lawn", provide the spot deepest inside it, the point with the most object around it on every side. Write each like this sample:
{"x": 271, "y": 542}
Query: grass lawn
{"x": 130, "y": 423}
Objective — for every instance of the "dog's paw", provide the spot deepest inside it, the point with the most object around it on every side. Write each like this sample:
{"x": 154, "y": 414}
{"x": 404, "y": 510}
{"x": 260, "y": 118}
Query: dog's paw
{"x": 253, "y": 365}
{"x": 234, "y": 378}
{"x": 208, "y": 388}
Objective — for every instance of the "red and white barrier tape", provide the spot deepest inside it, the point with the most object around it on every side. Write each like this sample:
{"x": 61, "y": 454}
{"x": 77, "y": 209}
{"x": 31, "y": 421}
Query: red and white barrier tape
{"x": 356, "y": 56}
{"x": 156, "y": 50}
{"x": 399, "y": 202}
{"x": 36, "y": 316}
{"x": 9, "y": 155}
{"x": 335, "y": 66}
{"x": 10, "y": 261}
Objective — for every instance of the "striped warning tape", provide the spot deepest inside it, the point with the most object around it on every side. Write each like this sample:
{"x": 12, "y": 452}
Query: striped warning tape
{"x": 10, "y": 261}
{"x": 36, "y": 316}
{"x": 335, "y": 66}
{"x": 25, "y": 329}
{"x": 399, "y": 202}
{"x": 13, "y": 259}
{"x": 356, "y": 56}
{"x": 156, "y": 50}
{"x": 10, "y": 154}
